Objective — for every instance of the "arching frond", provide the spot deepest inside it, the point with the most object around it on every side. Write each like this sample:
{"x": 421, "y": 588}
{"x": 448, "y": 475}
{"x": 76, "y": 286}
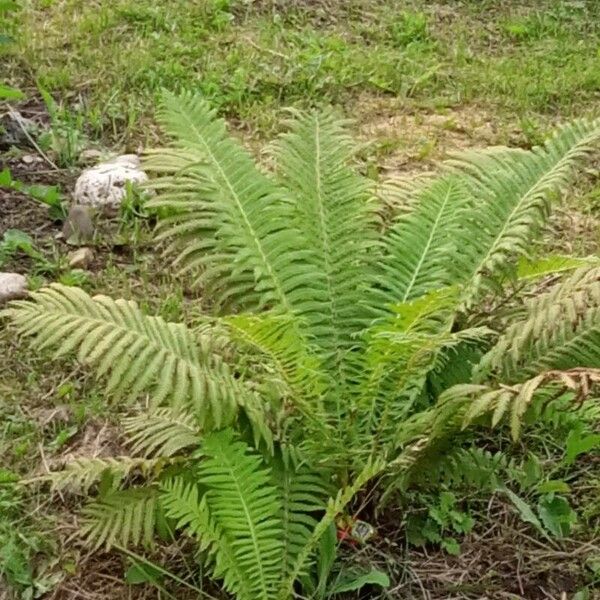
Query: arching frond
{"x": 80, "y": 474}
{"x": 516, "y": 399}
{"x": 163, "y": 432}
{"x": 559, "y": 330}
{"x": 246, "y": 507}
{"x": 139, "y": 353}
{"x": 233, "y": 221}
{"x": 471, "y": 467}
{"x": 183, "y": 503}
{"x": 554, "y": 264}
{"x": 427, "y": 247}
{"x": 279, "y": 338}
{"x": 514, "y": 189}
{"x": 401, "y": 349}
{"x": 333, "y": 211}
{"x": 124, "y": 518}
{"x": 304, "y": 493}
{"x": 335, "y": 506}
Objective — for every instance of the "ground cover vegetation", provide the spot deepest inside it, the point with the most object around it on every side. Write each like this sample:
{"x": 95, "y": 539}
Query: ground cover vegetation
{"x": 337, "y": 368}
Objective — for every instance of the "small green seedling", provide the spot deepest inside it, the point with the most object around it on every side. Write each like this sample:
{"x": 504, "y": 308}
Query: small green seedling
{"x": 50, "y": 195}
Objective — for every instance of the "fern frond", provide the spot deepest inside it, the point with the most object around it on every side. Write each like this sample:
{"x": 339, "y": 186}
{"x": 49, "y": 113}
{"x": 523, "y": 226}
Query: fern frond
{"x": 335, "y": 506}
{"x": 279, "y": 338}
{"x": 514, "y": 190}
{"x": 472, "y": 467}
{"x": 554, "y": 264}
{"x": 559, "y": 330}
{"x": 163, "y": 432}
{"x": 304, "y": 493}
{"x": 427, "y": 247}
{"x": 333, "y": 210}
{"x": 80, "y": 474}
{"x": 400, "y": 350}
{"x": 138, "y": 352}
{"x": 515, "y": 400}
{"x": 232, "y": 220}
{"x": 182, "y": 502}
{"x": 121, "y": 518}
{"x": 246, "y": 507}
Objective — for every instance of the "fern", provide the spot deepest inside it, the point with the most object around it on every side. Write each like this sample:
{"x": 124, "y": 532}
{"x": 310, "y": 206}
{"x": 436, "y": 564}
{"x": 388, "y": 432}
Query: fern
{"x": 224, "y": 209}
{"x": 559, "y": 330}
{"x": 426, "y": 247}
{"x": 332, "y": 210}
{"x": 514, "y": 190}
{"x": 123, "y": 518}
{"x": 303, "y": 493}
{"x": 468, "y": 467}
{"x": 347, "y": 341}
{"x": 280, "y": 340}
{"x": 334, "y": 507}
{"x": 82, "y": 473}
{"x": 251, "y": 528}
{"x": 163, "y": 432}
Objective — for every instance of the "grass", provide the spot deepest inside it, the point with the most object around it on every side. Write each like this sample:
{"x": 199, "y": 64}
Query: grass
{"x": 420, "y": 78}
{"x": 108, "y": 60}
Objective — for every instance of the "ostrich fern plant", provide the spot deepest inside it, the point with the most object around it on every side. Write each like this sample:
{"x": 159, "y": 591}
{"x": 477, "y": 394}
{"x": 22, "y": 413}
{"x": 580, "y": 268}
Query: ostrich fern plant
{"x": 367, "y": 344}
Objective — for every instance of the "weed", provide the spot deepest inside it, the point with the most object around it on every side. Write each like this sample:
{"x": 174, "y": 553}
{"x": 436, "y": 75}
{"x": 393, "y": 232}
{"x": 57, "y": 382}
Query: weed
{"x": 51, "y": 196}
{"x": 409, "y": 28}
{"x": 65, "y": 137}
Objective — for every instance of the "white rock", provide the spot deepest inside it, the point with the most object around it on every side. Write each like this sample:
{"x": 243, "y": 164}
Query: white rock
{"x": 12, "y": 286}
{"x": 81, "y": 258}
{"x": 105, "y": 185}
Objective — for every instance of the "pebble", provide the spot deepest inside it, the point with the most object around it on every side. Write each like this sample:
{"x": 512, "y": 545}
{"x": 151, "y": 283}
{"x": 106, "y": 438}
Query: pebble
{"x": 12, "y": 286}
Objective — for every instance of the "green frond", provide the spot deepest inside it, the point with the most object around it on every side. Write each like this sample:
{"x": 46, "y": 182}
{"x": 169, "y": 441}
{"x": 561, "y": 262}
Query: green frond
{"x": 456, "y": 362}
{"x": 469, "y": 467}
{"x": 427, "y": 247}
{"x": 304, "y": 493}
{"x": 335, "y": 506}
{"x": 246, "y": 508}
{"x": 558, "y": 330}
{"x": 81, "y": 474}
{"x": 420, "y": 436}
{"x": 553, "y": 264}
{"x": 183, "y": 503}
{"x": 139, "y": 353}
{"x": 162, "y": 432}
{"x": 230, "y": 219}
{"x": 334, "y": 213}
{"x": 121, "y": 518}
{"x": 280, "y": 340}
{"x": 400, "y": 351}
{"x": 513, "y": 191}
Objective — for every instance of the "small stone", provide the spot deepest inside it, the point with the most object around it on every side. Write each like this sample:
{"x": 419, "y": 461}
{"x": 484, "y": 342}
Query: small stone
{"x": 105, "y": 185}
{"x": 81, "y": 258}
{"x": 30, "y": 159}
{"x": 14, "y": 130}
{"x": 79, "y": 225}
{"x": 12, "y": 286}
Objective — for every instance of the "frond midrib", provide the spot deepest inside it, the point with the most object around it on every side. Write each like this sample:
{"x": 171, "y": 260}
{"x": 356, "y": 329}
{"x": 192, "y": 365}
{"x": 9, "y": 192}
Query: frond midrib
{"x": 427, "y": 246}
{"x": 250, "y": 522}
